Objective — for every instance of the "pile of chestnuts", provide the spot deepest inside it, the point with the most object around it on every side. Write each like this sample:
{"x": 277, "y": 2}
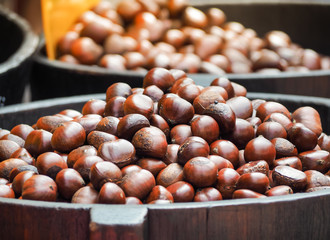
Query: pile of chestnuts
{"x": 139, "y": 35}
{"x": 170, "y": 141}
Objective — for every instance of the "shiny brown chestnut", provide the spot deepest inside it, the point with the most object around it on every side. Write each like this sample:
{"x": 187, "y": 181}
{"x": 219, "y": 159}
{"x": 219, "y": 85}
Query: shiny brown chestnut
{"x": 138, "y": 184}
{"x": 15, "y": 171}
{"x": 284, "y": 148}
{"x": 6, "y": 192}
{"x": 150, "y": 142}
{"x": 18, "y": 181}
{"x": 20, "y": 141}
{"x": 102, "y": 172}
{"x": 68, "y": 181}
{"x": 74, "y": 155}
{"x": 68, "y": 136}
{"x": 111, "y": 193}
{"x": 159, "y": 192}
{"x": 94, "y": 106}
{"x": 205, "y": 127}
{"x": 280, "y": 118}
{"x": 49, "y": 123}
{"x": 7, "y": 148}
{"x": 115, "y": 107}
{"x": 324, "y": 142}
{"x": 269, "y": 107}
{"x": 120, "y": 152}
{"x": 241, "y": 106}
{"x": 140, "y": 104}
{"x": 302, "y": 137}
{"x": 154, "y": 92}
{"x": 86, "y": 50}
{"x": 255, "y": 181}
{"x": 192, "y": 147}
{"x": 132, "y": 201}
{"x": 271, "y": 130}
{"x": 175, "y": 110}
{"x": 40, "y": 188}
{"x": 292, "y": 161}
{"x": 86, "y": 195}
{"x": 315, "y": 160}
{"x": 118, "y": 89}
{"x": 247, "y": 193}
{"x": 181, "y": 191}
{"x": 159, "y": 122}
{"x": 254, "y": 166}
{"x": 84, "y": 163}
{"x": 96, "y": 138}
{"x": 21, "y": 130}
{"x": 160, "y": 77}
{"x": 180, "y": 133}
{"x": 108, "y": 124}
{"x": 171, "y": 155}
{"x": 6, "y": 166}
{"x": 225, "y": 149}
{"x": 309, "y": 117}
{"x": 130, "y": 124}
{"x": 129, "y": 169}
{"x": 152, "y": 165}
{"x": 207, "y": 194}
{"x": 279, "y": 191}
{"x": 169, "y": 175}
{"x": 226, "y": 182}
{"x": 285, "y": 175}
{"x": 200, "y": 172}
{"x": 50, "y": 163}
{"x": 23, "y": 154}
{"x": 242, "y": 133}
{"x": 220, "y": 162}
{"x": 260, "y": 148}
{"x": 223, "y": 114}
{"x": 189, "y": 92}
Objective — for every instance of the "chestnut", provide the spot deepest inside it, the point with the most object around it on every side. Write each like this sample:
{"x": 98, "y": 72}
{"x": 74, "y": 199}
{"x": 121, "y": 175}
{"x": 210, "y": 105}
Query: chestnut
{"x": 284, "y": 148}
{"x": 20, "y": 141}
{"x": 200, "y": 172}
{"x": 269, "y": 107}
{"x": 21, "y": 130}
{"x": 111, "y": 193}
{"x": 15, "y": 171}
{"x": 96, "y": 138}
{"x": 180, "y": 133}
{"x": 86, "y": 195}
{"x": 68, "y": 136}
{"x": 129, "y": 169}
{"x": 220, "y": 162}
{"x": 150, "y": 142}
{"x": 223, "y": 114}
{"x": 181, "y": 191}
{"x": 86, "y": 50}
{"x": 160, "y": 77}
{"x": 115, "y": 107}
{"x": 194, "y": 17}
{"x": 50, "y": 163}
{"x": 138, "y": 184}
{"x": 118, "y": 89}
{"x": 207, "y": 194}
{"x": 7, "y": 148}
{"x": 102, "y": 172}
{"x": 192, "y": 147}
{"x": 152, "y": 165}
{"x": 309, "y": 117}
{"x": 279, "y": 118}
{"x": 241, "y": 106}
{"x": 285, "y": 175}
{"x": 130, "y": 124}
{"x": 171, "y": 155}
{"x": 316, "y": 179}
{"x": 315, "y": 160}
{"x": 175, "y": 110}
{"x": 23, "y": 154}
{"x": 94, "y": 106}
{"x": 255, "y": 181}
{"x": 49, "y": 123}
{"x": 203, "y": 100}
{"x": 260, "y": 148}
{"x": 159, "y": 192}
{"x": 302, "y": 137}
{"x": 226, "y": 182}
{"x": 68, "y": 181}
{"x": 108, "y": 124}
{"x": 292, "y": 161}
{"x": 279, "y": 191}
{"x": 74, "y": 155}
{"x": 141, "y": 104}
{"x": 40, "y": 188}
{"x": 239, "y": 89}
{"x": 6, "y": 192}
{"x": 169, "y": 175}
{"x": 8, "y": 165}
{"x": 159, "y": 122}
{"x": 70, "y": 113}
{"x": 88, "y": 122}
{"x": 154, "y": 92}
{"x": 254, "y": 166}
{"x": 247, "y": 193}
{"x": 205, "y": 127}
{"x": 84, "y": 163}
{"x": 132, "y": 201}
{"x": 225, "y": 149}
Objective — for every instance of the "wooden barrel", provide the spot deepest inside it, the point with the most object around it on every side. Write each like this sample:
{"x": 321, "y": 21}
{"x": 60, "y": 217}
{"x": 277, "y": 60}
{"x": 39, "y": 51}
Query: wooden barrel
{"x": 297, "y": 216}
{"x": 17, "y": 45}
